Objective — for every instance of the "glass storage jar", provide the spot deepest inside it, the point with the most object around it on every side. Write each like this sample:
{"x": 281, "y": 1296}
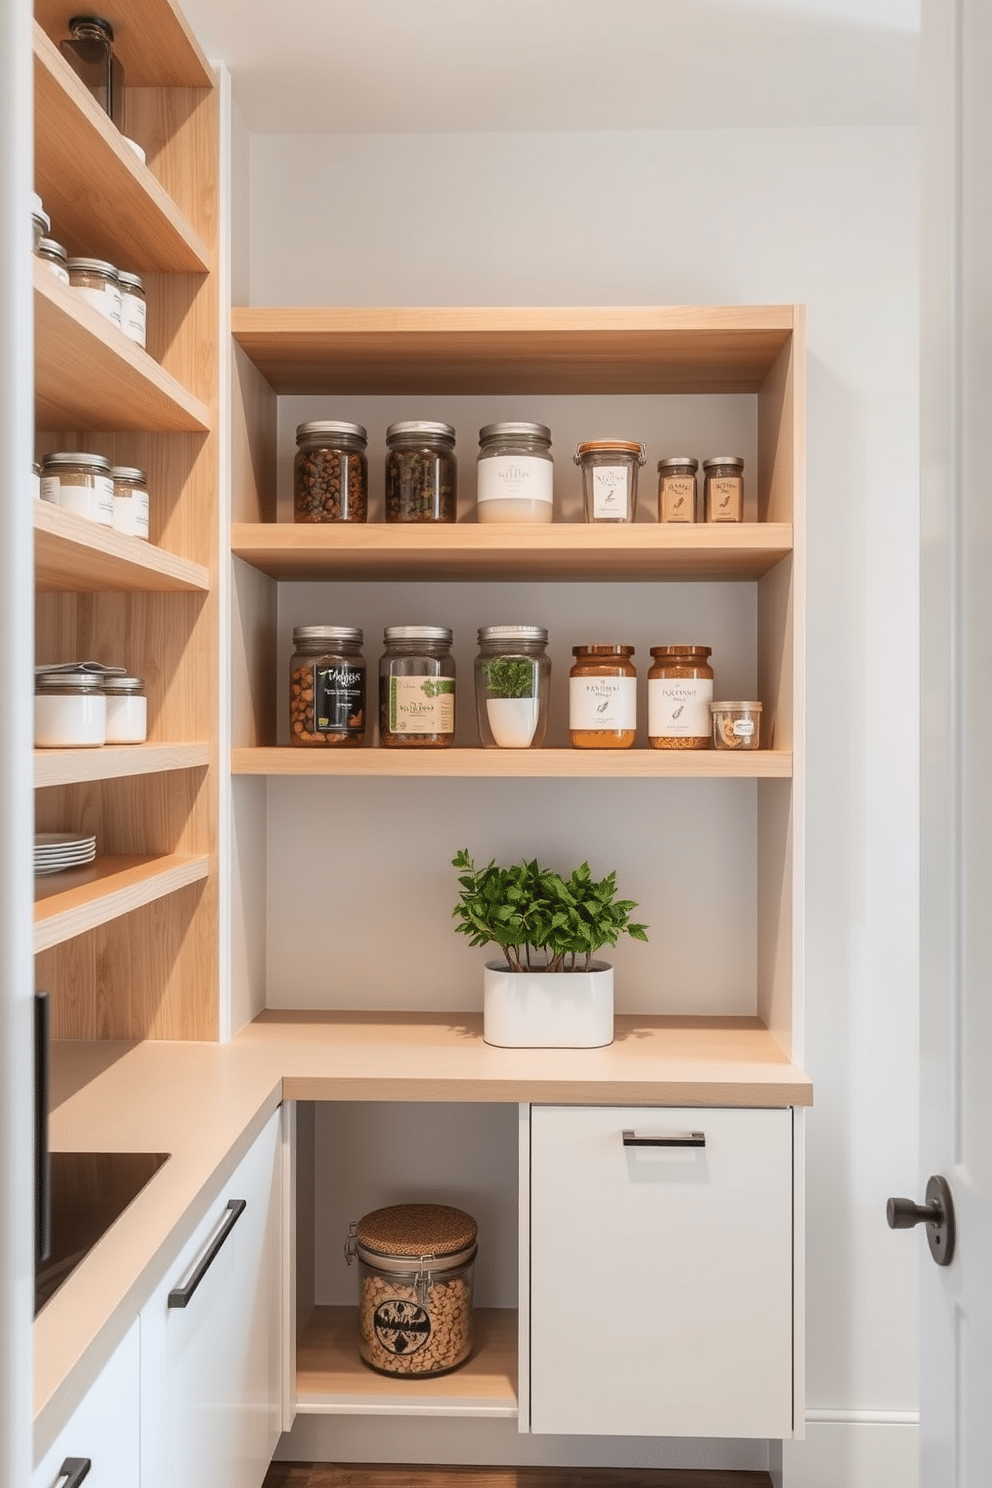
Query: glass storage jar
{"x": 127, "y": 710}
{"x": 133, "y": 307}
{"x": 53, "y": 255}
{"x": 680, "y": 690}
{"x": 724, "y": 488}
{"x": 330, "y": 472}
{"x": 70, "y": 711}
{"x": 415, "y": 1272}
{"x": 130, "y": 500}
{"x": 421, "y": 472}
{"x": 512, "y": 686}
{"x": 96, "y": 281}
{"x": 677, "y": 489}
{"x": 41, "y": 223}
{"x": 736, "y": 725}
{"x": 515, "y": 473}
{"x": 609, "y": 478}
{"x": 602, "y": 698}
{"x": 327, "y": 691}
{"x": 80, "y": 483}
{"x": 89, "y": 50}
{"x": 417, "y": 687}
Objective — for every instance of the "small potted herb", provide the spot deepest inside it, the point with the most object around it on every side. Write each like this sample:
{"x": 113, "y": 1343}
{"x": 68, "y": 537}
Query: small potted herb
{"x": 548, "y": 991}
{"x": 512, "y": 679}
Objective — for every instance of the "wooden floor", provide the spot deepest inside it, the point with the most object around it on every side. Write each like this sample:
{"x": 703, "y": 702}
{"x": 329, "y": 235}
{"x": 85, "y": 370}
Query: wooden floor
{"x": 361, "y": 1475}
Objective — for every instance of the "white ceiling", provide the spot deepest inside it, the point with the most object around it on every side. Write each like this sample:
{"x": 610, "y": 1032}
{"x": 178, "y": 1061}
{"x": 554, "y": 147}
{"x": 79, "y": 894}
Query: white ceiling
{"x": 452, "y": 66}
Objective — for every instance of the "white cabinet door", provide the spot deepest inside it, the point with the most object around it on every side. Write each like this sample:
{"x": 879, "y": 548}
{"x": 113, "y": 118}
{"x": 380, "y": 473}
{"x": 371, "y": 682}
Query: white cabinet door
{"x": 661, "y": 1276}
{"x": 210, "y": 1370}
{"x": 103, "y": 1429}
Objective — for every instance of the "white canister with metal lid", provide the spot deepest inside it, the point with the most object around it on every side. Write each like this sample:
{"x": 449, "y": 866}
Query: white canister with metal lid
{"x": 127, "y": 710}
{"x": 70, "y": 711}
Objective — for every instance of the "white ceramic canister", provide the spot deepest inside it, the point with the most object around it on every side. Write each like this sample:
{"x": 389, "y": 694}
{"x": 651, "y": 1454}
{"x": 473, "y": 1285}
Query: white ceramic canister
{"x": 130, "y": 500}
{"x": 70, "y": 711}
{"x": 79, "y": 482}
{"x": 127, "y": 710}
{"x": 515, "y": 473}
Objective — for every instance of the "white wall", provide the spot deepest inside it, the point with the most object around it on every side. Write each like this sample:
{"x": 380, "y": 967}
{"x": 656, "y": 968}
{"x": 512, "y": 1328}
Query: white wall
{"x": 823, "y": 216}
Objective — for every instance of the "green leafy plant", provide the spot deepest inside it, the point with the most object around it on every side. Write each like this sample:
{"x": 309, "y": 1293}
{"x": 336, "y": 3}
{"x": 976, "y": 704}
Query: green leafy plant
{"x": 510, "y": 677}
{"x": 530, "y": 911}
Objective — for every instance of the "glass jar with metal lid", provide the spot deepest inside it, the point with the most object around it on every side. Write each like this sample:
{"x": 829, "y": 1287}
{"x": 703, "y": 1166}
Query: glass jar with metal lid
{"x": 680, "y": 690}
{"x": 133, "y": 307}
{"x": 417, "y": 688}
{"x": 70, "y": 710}
{"x": 53, "y": 255}
{"x": 79, "y": 482}
{"x": 677, "y": 489}
{"x": 415, "y": 1264}
{"x": 515, "y": 473}
{"x": 421, "y": 472}
{"x": 512, "y": 686}
{"x": 724, "y": 488}
{"x": 127, "y": 710}
{"x": 330, "y": 472}
{"x": 96, "y": 281}
{"x": 609, "y": 478}
{"x": 130, "y": 500}
{"x": 327, "y": 693}
{"x": 41, "y": 223}
{"x": 602, "y": 697}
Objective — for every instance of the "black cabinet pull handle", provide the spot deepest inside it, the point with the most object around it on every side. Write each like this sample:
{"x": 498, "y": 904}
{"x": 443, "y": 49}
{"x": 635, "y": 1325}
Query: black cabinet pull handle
{"x": 74, "y": 1470}
{"x": 675, "y": 1139}
{"x": 180, "y": 1296}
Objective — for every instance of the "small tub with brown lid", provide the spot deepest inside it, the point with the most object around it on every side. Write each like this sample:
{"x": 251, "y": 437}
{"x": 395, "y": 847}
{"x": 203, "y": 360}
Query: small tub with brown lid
{"x": 415, "y": 1264}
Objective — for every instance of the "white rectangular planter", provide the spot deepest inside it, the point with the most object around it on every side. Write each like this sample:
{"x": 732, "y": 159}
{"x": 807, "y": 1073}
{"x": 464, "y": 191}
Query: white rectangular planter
{"x": 548, "y": 1010}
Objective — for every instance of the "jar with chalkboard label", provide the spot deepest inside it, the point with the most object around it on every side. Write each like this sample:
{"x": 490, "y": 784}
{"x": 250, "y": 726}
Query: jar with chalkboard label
{"x": 327, "y": 696}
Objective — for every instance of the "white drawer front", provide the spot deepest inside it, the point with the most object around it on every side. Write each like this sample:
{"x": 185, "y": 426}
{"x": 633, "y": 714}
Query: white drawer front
{"x": 104, "y": 1427}
{"x": 661, "y": 1277}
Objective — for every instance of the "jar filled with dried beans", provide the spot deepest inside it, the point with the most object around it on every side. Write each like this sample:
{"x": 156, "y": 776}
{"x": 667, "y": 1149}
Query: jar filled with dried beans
{"x": 680, "y": 690}
{"x": 327, "y": 697}
{"x": 602, "y": 698}
{"x": 417, "y": 688}
{"x": 330, "y": 472}
{"x": 421, "y": 472}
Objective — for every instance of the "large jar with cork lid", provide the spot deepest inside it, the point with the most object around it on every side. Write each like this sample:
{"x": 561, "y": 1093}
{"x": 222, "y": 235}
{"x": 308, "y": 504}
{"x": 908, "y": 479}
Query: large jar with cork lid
{"x": 602, "y": 697}
{"x": 680, "y": 690}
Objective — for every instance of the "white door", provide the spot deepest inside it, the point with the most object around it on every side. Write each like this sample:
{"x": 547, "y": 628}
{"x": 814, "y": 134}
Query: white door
{"x": 956, "y": 735}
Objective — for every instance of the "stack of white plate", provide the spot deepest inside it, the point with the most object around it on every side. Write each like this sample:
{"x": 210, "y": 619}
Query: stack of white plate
{"x": 54, "y": 852}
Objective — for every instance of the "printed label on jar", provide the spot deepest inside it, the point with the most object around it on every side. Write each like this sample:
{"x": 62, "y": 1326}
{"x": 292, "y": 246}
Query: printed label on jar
{"x": 421, "y": 705}
{"x": 677, "y": 493}
{"x": 726, "y": 493}
{"x": 50, "y": 489}
{"x": 401, "y": 1327}
{"x": 517, "y": 477}
{"x": 609, "y": 492}
{"x": 95, "y": 501}
{"x": 743, "y": 728}
{"x": 338, "y": 699}
{"x": 133, "y": 313}
{"x": 608, "y": 703}
{"x": 679, "y": 707}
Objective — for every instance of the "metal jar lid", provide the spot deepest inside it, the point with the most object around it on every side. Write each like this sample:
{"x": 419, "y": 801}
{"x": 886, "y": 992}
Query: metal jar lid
{"x": 350, "y": 634}
{"x": 98, "y": 464}
{"x": 128, "y": 473}
{"x": 513, "y": 633}
{"x": 606, "y": 446}
{"x": 131, "y": 281}
{"x": 679, "y": 461}
{"x": 529, "y": 431}
{"x": 418, "y": 633}
{"x": 48, "y": 248}
{"x": 736, "y": 460}
{"x": 93, "y": 266}
{"x": 735, "y": 707}
{"x": 412, "y": 1232}
{"x": 69, "y": 682}
{"x": 328, "y": 428}
{"x": 407, "y": 427}
{"x": 123, "y": 686}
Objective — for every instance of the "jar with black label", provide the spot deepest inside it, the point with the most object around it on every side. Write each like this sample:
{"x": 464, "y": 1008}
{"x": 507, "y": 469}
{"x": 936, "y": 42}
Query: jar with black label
{"x": 680, "y": 690}
{"x": 327, "y": 697}
{"x": 417, "y": 688}
{"x": 677, "y": 489}
{"x": 515, "y": 473}
{"x": 330, "y": 472}
{"x": 421, "y": 472}
{"x": 724, "y": 488}
{"x": 609, "y": 478}
{"x": 602, "y": 698}
{"x": 512, "y": 684}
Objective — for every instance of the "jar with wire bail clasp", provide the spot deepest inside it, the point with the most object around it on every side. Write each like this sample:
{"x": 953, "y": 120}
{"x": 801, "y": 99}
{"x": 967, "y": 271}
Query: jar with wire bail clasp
{"x": 515, "y": 473}
{"x": 327, "y": 687}
{"x": 512, "y": 686}
{"x": 609, "y": 478}
{"x": 330, "y": 472}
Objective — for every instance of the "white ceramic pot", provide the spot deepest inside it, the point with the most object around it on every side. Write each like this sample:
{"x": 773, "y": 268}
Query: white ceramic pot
{"x": 513, "y": 720}
{"x": 547, "y": 1009}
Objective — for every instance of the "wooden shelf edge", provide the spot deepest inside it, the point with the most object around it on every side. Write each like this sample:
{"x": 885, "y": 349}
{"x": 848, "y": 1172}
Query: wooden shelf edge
{"x": 115, "y": 762}
{"x": 153, "y": 41}
{"x": 73, "y": 555}
{"x": 503, "y": 764}
{"x": 105, "y": 890}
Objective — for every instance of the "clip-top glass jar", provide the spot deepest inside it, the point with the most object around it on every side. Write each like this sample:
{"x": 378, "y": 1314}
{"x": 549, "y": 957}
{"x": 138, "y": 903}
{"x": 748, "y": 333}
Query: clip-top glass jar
{"x": 512, "y": 686}
{"x": 724, "y": 494}
{"x": 515, "y": 473}
{"x": 421, "y": 472}
{"x": 327, "y": 695}
{"x": 609, "y": 478}
{"x": 330, "y": 472}
{"x": 417, "y": 687}
{"x": 90, "y": 54}
{"x": 677, "y": 489}
{"x": 602, "y": 698}
{"x": 680, "y": 690}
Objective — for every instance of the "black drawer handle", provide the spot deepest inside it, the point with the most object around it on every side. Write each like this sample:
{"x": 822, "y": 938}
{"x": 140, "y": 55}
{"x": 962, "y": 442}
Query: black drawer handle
{"x": 675, "y": 1139}
{"x": 180, "y": 1296}
{"x": 74, "y": 1470}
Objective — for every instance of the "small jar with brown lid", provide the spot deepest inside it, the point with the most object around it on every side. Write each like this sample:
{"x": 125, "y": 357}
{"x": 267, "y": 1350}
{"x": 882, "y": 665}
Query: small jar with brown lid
{"x": 602, "y": 698}
{"x": 680, "y": 690}
{"x": 677, "y": 489}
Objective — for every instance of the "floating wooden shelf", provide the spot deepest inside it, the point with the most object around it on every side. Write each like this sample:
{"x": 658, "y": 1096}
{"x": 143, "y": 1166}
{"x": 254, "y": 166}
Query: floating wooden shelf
{"x": 90, "y": 376}
{"x": 103, "y": 201}
{"x": 502, "y": 764}
{"x": 115, "y": 762}
{"x": 332, "y": 1380}
{"x": 153, "y": 41}
{"x": 559, "y": 551}
{"x": 74, "y": 555}
{"x": 69, "y": 904}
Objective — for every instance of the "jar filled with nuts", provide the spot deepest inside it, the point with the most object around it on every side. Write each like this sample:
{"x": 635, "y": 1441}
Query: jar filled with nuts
{"x": 327, "y": 686}
{"x": 421, "y": 472}
{"x": 330, "y": 472}
{"x": 415, "y": 1265}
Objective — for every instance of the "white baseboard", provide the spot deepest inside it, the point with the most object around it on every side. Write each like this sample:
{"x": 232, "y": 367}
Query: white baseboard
{"x": 854, "y": 1449}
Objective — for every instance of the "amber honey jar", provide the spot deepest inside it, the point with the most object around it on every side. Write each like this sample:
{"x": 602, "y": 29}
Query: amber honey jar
{"x": 602, "y": 698}
{"x": 680, "y": 690}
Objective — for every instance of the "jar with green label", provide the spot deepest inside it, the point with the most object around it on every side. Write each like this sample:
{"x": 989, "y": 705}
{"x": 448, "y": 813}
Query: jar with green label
{"x": 417, "y": 688}
{"x": 327, "y": 699}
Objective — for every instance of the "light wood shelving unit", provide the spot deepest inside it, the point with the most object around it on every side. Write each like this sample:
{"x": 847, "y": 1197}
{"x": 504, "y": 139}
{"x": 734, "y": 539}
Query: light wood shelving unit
{"x": 507, "y": 764}
{"x": 73, "y": 553}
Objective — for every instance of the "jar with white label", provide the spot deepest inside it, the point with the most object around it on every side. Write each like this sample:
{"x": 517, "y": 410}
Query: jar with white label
{"x": 609, "y": 478}
{"x": 602, "y": 698}
{"x": 327, "y": 702}
{"x": 53, "y": 256}
{"x": 512, "y": 684}
{"x": 36, "y": 480}
{"x": 70, "y": 711}
{"x": 96, "y": 281}
{"x": 41, "y": 223}
{"x": 736, "y": 725}
{"x": 80, "y": 483}
{"x": 133, "y": 309}
{"x": 127, "y": 710}
{"x": 677, "y": 489}
{"x": 680, "y": 690}
{"x": 417, "y": 688}
{"x": 724, "y": 488}
{"x": 515, "y": 473}
{"x": 130, "y": 500}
